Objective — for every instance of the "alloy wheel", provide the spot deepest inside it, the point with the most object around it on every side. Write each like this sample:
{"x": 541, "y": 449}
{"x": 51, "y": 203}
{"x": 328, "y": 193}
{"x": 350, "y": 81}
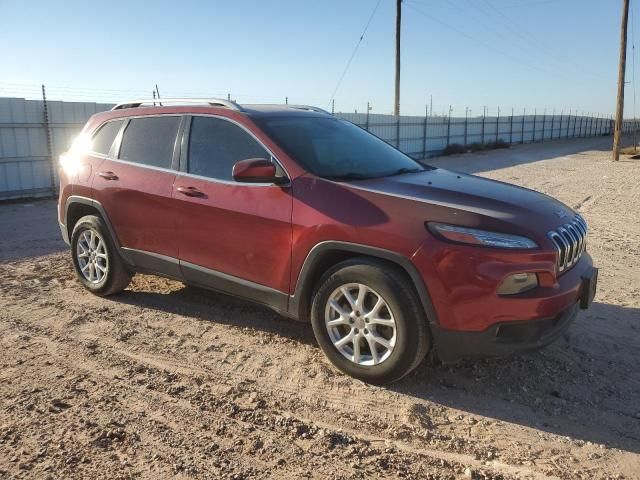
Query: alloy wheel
{"x": 91, "y": 253}
{"x": 360, "y": 324}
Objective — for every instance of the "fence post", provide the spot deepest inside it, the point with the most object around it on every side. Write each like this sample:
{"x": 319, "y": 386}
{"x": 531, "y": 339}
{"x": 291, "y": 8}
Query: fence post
{"x": 568, "y": 123}
{"x": 497, "y": 124}
{"x": 367, "y": 117}
{"x": 580, "y": 128}
{"x": 466, "y": 121}
{"x": 553, "y": 123}
{"x": 47, "y": 128}
{"x": 560, "y": 128}
{"x": 575, "y": 122}
{"x": 449, "y": 126}
{"x": 333, "y": 106}
{"x": 544, "y": 121}
{"x": 484, "y": 116}
{"x": 524, "y": 114}
{"x": 398, "y": 132}
{"x": 535, "y": 115}
{"x": 511, "y": 128}
{"x": 424, "y": 135}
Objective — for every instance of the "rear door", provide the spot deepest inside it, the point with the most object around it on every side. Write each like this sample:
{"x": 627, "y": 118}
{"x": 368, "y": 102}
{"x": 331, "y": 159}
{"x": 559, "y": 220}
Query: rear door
{"x": 234, "y": 237}
{"x": 135, "y": 185}
{"x": 98, "y": 150}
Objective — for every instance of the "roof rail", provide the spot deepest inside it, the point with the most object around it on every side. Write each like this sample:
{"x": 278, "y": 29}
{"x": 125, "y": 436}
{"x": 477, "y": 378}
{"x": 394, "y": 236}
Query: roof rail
{"x": 213, "y": 102}
{"x": 310, "y": 108}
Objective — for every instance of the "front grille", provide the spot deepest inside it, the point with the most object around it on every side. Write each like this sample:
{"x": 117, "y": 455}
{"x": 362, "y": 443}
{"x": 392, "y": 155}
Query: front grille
{"x": 570, "y": 241}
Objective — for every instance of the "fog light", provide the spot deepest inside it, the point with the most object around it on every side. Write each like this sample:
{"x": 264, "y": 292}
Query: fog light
{"x": 518, "y": 283}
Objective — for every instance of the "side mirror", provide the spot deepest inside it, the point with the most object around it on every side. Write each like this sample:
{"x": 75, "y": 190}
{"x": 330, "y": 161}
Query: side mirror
{"x": 257, "y": 170}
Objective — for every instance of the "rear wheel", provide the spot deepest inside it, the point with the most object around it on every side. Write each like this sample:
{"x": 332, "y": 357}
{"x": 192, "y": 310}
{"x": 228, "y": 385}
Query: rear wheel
{"x": 97, "y": 263}
{"x": 369, "y": 322}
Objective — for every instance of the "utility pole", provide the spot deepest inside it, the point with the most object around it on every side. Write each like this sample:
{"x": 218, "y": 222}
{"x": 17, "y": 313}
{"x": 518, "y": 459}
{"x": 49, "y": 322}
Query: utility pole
{"x": 396, "y": 103}
{"x": 621, "y": 70}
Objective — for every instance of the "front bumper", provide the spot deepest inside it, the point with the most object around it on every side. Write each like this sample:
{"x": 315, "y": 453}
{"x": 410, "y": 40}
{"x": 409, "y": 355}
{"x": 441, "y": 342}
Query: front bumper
{"x": 501, "y": 339}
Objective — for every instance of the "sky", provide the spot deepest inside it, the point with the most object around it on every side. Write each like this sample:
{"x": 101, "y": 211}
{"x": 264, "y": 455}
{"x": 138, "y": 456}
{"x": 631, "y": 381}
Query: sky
{"x": 542, "y": 54}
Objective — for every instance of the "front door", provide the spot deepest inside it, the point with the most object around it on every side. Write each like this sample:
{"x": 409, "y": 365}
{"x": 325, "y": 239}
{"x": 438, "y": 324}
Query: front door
{"x": 234, "y": 237}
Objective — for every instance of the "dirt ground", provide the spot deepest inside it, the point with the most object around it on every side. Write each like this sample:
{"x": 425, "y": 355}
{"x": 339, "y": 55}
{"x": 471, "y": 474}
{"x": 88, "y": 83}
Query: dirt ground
{"x": 166, "y": 380}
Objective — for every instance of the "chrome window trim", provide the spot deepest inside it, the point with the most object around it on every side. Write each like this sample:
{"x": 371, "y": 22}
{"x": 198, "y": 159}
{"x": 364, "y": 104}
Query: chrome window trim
{"x": 232, "y": 182}
{"x": 177, "y": 171}
{"x": 142, "y": 165}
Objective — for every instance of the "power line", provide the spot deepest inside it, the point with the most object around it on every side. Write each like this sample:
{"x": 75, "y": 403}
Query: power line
{"x": 484, "y": 44}
{"x": 353, "y": 54}
{"x": 535, "y": 42}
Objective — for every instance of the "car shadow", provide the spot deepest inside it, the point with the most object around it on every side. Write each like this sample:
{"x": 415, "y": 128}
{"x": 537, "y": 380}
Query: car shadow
{"x": 208, "y": 306}
{"x": 584, "y": 386}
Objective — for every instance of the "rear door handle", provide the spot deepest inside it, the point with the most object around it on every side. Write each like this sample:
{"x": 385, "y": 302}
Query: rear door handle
{"x": 108, "y": 175}
{"x": 191, "y": 192}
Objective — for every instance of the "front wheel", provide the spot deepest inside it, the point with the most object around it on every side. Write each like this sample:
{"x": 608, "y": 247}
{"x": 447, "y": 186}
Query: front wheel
{"x": 97, "y": 263}
{"x": 369, "y": 322}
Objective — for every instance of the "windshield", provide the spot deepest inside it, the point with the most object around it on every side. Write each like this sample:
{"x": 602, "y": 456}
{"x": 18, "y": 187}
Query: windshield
{"x": 334, "y": 148}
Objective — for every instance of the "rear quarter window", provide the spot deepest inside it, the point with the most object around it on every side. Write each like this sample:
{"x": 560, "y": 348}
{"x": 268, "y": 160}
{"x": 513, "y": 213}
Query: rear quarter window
{"x": 103, "y": 139}
{"x": 150, "y": 141}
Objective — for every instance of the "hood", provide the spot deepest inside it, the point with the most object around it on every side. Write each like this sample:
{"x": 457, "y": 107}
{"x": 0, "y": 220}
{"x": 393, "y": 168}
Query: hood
{"x": 501, "y": 202}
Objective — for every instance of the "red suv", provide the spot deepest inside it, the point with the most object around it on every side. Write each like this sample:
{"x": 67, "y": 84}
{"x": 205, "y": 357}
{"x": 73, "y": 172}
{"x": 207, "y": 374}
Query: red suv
{"x": 324, "y": 222}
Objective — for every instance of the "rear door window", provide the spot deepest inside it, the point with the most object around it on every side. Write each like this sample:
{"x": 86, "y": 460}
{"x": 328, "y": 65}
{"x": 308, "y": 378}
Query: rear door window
{"x": 150, "y": 140}
{"x": 102, "y": 141}
{"x": 215, "y": 145}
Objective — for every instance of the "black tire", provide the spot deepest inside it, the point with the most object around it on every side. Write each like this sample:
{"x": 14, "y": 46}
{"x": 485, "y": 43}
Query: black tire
{"x": 117, "y": 276}
{"x": 412, "y": 334}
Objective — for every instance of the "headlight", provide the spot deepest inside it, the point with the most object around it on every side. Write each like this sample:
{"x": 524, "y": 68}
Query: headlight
{"x": 474, "y": 236}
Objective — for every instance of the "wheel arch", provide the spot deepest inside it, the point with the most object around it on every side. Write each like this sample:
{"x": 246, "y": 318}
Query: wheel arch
{"x": 327, "y": 254}
{"x": 77, "y": 207}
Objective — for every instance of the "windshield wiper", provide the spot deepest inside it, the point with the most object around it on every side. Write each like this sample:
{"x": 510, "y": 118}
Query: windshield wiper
{"x": 347, "y": 176}
{"x": 402, "y": 171}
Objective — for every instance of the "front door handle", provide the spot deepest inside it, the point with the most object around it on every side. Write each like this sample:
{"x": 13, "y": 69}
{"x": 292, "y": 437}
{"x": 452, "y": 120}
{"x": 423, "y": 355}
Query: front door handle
{"x": 191, "y": 192}
{"x": 108, "y": 175}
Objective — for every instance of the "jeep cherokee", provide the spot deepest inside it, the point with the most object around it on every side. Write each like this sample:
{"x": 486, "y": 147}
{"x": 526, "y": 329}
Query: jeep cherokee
{"x": 313, "y": 216}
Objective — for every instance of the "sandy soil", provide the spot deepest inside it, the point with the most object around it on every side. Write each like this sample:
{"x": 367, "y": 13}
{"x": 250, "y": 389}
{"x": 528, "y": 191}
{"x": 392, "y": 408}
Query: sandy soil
{"x": 170, "y": 381}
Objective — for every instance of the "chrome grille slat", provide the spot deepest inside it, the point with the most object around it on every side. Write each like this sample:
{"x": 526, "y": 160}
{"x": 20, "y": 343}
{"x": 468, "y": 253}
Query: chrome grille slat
{"x": 570, "y": 241}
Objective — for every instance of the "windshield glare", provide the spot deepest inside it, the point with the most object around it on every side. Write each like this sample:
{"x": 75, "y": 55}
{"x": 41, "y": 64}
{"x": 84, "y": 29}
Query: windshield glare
{"x": 334, "y": 148}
